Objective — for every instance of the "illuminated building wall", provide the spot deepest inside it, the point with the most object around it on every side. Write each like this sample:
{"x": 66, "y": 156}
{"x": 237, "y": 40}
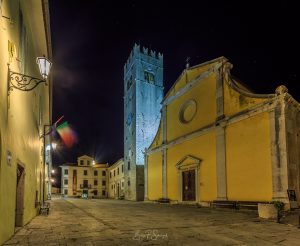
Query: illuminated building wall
{"x": 116, "y": 180}
{"x": 84, "y": 178}
{"x": 24, "y": 36}
{"x": 143, "y": 93}
{"x": 219, "y": 141}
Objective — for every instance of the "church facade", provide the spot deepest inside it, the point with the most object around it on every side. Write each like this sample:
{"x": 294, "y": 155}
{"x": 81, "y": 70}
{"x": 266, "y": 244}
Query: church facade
{"x": 143, "y": 93}
{"x": 217, "y": 140}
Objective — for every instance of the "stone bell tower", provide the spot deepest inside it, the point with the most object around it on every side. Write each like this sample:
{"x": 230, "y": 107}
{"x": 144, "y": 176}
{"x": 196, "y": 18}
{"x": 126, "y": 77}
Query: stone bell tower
{"x": 143, "y": 94}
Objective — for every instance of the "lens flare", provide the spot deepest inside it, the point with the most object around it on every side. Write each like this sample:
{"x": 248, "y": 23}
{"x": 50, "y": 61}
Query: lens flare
{"x": 67, "y": 134}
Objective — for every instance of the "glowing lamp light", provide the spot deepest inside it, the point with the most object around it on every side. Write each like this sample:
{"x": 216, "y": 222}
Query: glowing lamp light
{"x": 44, "y": 66}
{"x": 94, "y": 163}
{"x": 48, "y": 147}
{"x": 54, "y": 145}
{"x": 52, "y": 180}
{"x": 52, "y": 171}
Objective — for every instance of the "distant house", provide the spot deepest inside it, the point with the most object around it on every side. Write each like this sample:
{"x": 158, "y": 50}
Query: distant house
{"x": 55, "y": 190}
{"x": 116, "y": 180}
{"x": 84, "y": 178}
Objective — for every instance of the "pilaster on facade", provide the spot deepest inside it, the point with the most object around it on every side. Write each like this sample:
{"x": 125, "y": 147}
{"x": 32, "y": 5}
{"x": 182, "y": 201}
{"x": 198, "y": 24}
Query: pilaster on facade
{"x": 164, "y": 153}
{"x": 219, "y": 94}
{"x": 279, "y": 150}
{"x": 221, "y": 163}
{"x": 146, "y": 177}
{"x": 164, "y": 174}
{"x": 220, "y": 138}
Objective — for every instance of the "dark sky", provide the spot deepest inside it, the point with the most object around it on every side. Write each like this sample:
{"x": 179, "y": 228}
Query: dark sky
{"x": 91, "y": 43}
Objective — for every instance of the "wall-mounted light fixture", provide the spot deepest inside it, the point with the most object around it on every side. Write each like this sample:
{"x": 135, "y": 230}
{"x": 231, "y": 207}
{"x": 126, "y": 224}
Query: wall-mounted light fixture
{"x": 25, "y": 82}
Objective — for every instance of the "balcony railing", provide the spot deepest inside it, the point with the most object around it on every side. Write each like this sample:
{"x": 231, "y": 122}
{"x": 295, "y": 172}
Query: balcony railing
{"x": 83, "y": 186}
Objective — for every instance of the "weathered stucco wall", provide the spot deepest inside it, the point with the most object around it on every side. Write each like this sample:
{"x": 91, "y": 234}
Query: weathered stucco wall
{"x": 22, "y": 114}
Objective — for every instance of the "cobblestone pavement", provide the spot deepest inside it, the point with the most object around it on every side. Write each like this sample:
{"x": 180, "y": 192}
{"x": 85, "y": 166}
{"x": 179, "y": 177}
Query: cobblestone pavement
{"x": 114, "y": 222}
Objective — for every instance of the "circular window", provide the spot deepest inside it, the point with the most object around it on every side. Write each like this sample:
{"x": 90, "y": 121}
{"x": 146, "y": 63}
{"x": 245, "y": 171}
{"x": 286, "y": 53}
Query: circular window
{"x": 188, "y": 111}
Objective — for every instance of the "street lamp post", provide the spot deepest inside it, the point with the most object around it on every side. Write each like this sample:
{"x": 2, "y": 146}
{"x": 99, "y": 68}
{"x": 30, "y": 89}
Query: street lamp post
{"x": 46, "y": 153}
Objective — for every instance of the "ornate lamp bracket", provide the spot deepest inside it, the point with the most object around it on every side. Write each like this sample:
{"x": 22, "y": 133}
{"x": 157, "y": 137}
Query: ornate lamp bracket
{"x": 21, "y": 81}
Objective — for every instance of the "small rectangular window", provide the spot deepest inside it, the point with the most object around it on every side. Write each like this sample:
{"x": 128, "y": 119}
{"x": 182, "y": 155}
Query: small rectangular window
{"x": 95, "y": 192}
{"x": 95, "y": 173}
{"x": 128, "y": 182}
{"x": 66, "y": 171}
{"x": 128, "y": 165}
{"x": 118, "y": 171}
{"x": 81, "y": 162}
{"x": 114, "y": 173}
{"x": 110, "y": 174}
{"x": 88, "y": 163}
{"x": 66, "y": 192}
{"x": 65, "y": 181}
{"x": 103, "y": 182}
{"x": 95, "y": 182}
{"x": 103, "y": 173}
{"x": 103, "y": 193}
{"x": 84, "y": 172}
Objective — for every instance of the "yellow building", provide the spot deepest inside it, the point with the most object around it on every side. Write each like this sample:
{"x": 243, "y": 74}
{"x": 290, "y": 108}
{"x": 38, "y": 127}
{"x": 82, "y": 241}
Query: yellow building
{"x": 217, "y": 140}
{"x": 84, "y": 178}
{"x": 116, "y": 180}
{"x": 24, "y": 36}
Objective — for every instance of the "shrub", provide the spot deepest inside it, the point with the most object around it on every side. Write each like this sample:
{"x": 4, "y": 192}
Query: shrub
{"x": 279, "y": 207}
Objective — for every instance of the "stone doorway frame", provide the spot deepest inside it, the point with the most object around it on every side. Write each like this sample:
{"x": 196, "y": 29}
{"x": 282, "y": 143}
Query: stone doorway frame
{"x": 19, "y": 207}
{"x": 188, "y": 163}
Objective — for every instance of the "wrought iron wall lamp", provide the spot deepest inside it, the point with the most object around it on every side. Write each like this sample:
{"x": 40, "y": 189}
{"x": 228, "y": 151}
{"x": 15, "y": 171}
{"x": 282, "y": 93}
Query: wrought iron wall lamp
{"x": 25, "y": 82}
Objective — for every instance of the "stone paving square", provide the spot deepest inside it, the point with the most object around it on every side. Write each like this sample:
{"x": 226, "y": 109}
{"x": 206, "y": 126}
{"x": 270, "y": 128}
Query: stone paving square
{"x": 119, "y": 222}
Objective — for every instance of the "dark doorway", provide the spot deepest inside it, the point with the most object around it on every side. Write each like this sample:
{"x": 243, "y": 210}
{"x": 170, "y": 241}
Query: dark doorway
{"x": 85, "y": 193}
{"x": 19, "y": 196}
{"x": 118, "y": 191}
{"x": 188, "y": 186}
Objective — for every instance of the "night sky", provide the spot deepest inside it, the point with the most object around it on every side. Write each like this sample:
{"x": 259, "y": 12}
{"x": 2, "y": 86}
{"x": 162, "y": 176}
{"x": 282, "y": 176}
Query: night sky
{"x": 91, "y": 43}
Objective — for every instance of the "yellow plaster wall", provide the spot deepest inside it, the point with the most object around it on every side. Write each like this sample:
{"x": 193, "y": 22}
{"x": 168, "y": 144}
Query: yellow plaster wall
{"x": 235, "y": 102}
{"x": 248, "y": 159}
{"x": 204, "y": 148}
{"x": 204, "y": 95}
{"x": 187, "y": 76}
{"x": 155, "y": 176}
{"x": 19, "y": 124}
{"x": 158, "y": 138}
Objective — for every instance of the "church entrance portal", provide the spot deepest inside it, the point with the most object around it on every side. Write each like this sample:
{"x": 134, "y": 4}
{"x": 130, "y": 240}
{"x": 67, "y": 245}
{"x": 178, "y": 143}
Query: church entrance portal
{"x": 19, "y": 196}
{"x": 188, "y": 186}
